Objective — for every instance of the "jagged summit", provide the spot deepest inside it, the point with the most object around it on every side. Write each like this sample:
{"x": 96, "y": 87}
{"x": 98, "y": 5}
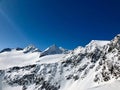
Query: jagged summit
{"x": 95, "y": 44}
{"x": 98, "y": 43}
{"x": 31, "y": 48}
{"x": 116, "y": 39}
{"x": 53, "y": 49}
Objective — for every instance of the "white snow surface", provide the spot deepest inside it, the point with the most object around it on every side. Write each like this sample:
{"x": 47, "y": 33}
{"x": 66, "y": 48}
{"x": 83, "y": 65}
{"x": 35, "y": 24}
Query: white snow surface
{"x": 18, "y": 58}
{"x": 98, "y": 42}
{"x": 51, "y": 59}
{"x": 95, "y": 43}
{"x": 12, "y": 88}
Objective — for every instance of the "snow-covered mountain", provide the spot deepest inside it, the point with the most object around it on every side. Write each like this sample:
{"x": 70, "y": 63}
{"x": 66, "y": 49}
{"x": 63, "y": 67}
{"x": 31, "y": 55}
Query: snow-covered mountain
{"x": 93, "y": 67}
{"x": 31, "y": 48}
{"x": 54, "y": 50}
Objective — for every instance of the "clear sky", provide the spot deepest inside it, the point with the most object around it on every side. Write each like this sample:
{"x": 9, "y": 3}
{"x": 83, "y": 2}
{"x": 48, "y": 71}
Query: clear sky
{"x": 66, "y": 23}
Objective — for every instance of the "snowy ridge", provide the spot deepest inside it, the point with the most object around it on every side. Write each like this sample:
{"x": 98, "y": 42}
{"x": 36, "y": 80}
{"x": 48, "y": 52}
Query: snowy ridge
{"x": 31, "y": 48}
{"x": 95, "y": 44}
{"x": 93, "y": 67}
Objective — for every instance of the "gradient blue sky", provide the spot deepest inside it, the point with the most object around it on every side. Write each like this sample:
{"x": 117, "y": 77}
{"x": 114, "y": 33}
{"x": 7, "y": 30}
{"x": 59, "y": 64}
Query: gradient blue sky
{"x": 67, "y": 23}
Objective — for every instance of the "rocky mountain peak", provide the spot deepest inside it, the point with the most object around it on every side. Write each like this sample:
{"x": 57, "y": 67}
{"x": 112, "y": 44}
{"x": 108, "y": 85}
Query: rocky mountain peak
{"x": 116, "y": 39}
{"x": 31, "y": 48}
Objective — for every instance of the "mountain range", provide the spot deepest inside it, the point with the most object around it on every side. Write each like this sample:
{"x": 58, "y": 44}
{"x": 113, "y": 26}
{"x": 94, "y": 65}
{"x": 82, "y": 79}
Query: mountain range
{"x": 93, "y": 67}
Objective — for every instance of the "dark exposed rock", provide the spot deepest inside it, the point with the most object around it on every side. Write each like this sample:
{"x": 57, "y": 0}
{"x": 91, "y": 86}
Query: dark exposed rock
{"x": 19, "y": 49}
{"x": 6, "y": 50}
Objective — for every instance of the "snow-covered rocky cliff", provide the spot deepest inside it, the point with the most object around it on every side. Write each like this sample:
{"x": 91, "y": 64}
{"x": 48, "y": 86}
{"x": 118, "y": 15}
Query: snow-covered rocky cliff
{"x": 93, "y": 67}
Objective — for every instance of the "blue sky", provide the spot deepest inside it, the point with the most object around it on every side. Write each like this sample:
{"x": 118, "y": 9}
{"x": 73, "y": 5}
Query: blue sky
{"x": 67, "y": 23}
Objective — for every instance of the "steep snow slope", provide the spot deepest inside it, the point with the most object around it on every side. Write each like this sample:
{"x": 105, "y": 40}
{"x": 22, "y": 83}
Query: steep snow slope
{"x": 108, "y": 86}
{"x": 93, "y": 67}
